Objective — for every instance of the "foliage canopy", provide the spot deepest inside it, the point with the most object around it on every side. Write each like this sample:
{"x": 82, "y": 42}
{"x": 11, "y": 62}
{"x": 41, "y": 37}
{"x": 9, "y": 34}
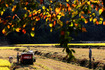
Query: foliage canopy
{"x": 68, "y": 16}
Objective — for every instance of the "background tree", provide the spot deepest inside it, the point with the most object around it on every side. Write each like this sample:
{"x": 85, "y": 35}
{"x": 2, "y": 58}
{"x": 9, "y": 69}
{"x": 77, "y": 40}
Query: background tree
{"x": 68, "y": 16}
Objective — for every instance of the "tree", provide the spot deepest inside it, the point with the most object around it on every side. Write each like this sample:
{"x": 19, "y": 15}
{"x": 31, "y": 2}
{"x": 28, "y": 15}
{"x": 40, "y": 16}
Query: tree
{"x": 68, "y": 16}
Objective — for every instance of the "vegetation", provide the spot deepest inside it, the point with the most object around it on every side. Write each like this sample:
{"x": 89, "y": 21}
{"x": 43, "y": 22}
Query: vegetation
{"x": 53, "y": 13}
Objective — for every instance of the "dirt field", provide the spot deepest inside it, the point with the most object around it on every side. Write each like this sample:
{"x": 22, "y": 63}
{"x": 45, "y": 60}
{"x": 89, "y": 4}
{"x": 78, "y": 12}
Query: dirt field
{"x": 41, "y": 63}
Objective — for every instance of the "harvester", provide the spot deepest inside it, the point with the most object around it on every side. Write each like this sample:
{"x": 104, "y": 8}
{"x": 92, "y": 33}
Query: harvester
{"x": 27, "y": 57}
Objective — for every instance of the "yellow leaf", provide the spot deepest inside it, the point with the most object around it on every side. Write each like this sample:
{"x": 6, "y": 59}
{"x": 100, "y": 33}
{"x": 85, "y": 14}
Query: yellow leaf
{"x": 67, "y": 0}
{"x": 57, "y": 10}
{"x": 18, "y": 29}
{"x": 25, "y": 8}
{"x": 94, "y": 20}
{"x": 88, "y": 2}
{"x": 32, "y": 34}
{"x": 58, "y": 16}
{"x": 2, "y": 13}
{"x": 101, "y": 19}
{"x": 43, "y": 7}
{"x": 100, "y": 11}
{"x": 100, "y": 22}
{"x": 51, "y": 30}
{"x": 86, "y": 21}
{"x": 13, "y": 9}
{"x": 91, "y": 19}
{"x": 93, "y": 14}
{"x": 71, "y": 25}
{"x": 51, "y": 25}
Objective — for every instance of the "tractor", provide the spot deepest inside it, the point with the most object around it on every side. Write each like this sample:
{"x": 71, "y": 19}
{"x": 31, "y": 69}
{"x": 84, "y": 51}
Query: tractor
{"x": 27, "y": 57}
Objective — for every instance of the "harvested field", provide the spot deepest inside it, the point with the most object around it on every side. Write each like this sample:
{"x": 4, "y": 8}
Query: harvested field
{"x": 41, "y": 63}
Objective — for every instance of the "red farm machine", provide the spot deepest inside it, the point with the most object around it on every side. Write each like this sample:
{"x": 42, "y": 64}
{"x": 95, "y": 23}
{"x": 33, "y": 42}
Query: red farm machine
{"x": 27, "y": 57}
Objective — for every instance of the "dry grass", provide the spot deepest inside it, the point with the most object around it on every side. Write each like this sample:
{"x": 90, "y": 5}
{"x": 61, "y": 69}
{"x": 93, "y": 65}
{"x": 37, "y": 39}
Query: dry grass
{"x": 81, "y": 53}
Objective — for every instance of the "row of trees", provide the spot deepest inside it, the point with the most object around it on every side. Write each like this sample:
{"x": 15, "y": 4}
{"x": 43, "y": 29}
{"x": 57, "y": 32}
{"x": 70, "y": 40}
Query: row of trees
{"x": 67, "y": 16}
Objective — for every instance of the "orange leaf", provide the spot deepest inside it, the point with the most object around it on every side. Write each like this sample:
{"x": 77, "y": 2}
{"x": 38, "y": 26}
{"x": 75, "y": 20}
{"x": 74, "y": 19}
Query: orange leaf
{"x": 45, "y": 16}
{"x": 13, "y": 9}
{"x": 54, "y": 23}
{"x": 104, "y": 23}
{"x": 97, "y": 22}
{"x": 8, "y": 26}
{"x": 67, "y": 22}
{"x": 82, "y": 16}
{"x": 73, "y": 5}
{"x": 3, "y": 31}
{"x": 30, "y": 15}
{"x": 92, "y": 6}
{"x": 67, "y": 5}
{"x": 33, "y": 28}
{"x": 26, "y": 3}
{"x": 6, "y": 5}
{"x": 69, "y": 8}
{"x": 76, "y": 24}
{"x": 84, "y": 29}
{"x": 10, "y": 23}
{"x": 24, "y": 25}
{"x": 24, "y": 31}
{"x": 13, "y": 17}
{"x": 96, "y": 8}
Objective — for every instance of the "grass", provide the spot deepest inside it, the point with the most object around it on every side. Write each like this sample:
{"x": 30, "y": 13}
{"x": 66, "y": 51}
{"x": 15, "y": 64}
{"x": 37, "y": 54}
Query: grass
{"x": 72, "y": 44}
{"x": 4, "y": 64}
{"x": 9, "y": 47}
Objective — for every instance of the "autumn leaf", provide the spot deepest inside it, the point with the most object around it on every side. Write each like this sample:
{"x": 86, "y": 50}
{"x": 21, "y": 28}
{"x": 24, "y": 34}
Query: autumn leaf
{"x": 62, "y": 32}
{"x": 104, "y": 23}
{"x": 24, "y": 31}
{"x": 84, "y": 29}
{"x": 94, "y": 20}
{"x": 18, "y": 29}
{"x": 51, "y": 30}
{"x": 43, "y": 7}
{"x": 33, "y": 28}
{"x": 24, "y": 25}
{"x": 97, "y": 22}
{"x": 67, "y": 0}
{"x": 51, "y": 25}
{"x": 2, "y": 13}
{"x": 3, "y": 31}
{"x": 71, "y": 25}
{"x": 6, "y": 5}
{"x": 76, "y": 24}
{"x": 26, "y": 3}
{"x": 32, "y": 34}
{"x": 54, "y": 23}
{"x": 57, "y": 10}
{"x": 100, "y": 11}
{"x": 8, "y": 26}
